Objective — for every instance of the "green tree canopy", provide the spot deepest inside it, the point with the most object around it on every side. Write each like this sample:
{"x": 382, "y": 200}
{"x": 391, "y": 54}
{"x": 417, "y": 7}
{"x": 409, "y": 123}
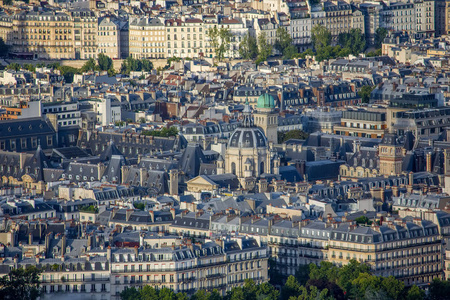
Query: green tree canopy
{"x": 365, "y": 92}
{"x": 380, "y": 35}
{"x": 284, "y": 44}
{"x": 293, "y": 134}
{"x": 131, "y": 64}
{"x": 165, "y": 132}
{"x": 264, "y": 48}
{"x": 220, "y": 40}
{"x": 13, "y": 66}
{"x": 21, "y": 284}
{"x": 248, "y": 47}
{"x": 320, "y": 36}
{"x": 104, "y": 62}
{"x": 89, "y": 65}
{"x": 353, "y": 40}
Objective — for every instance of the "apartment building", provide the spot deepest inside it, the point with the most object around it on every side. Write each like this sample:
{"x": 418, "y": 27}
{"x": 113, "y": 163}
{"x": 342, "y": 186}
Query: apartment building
{"x": 185, "y": 37}
{"x": 409, "y": 251}
{"x": 362, "y": 123}
{"x": 300, "y": 29}
{"x": 84, "y": 33}
{"x": 76, "y": 267}
{"x": 399, "y": 17}
{"x": 238, "y": 30}
{"x": 109, "y": 37}
{"x": 43, "y": 35}
{"x": 6, "y": 28}
{"x": 425, "y": 12}
{"x": 147, "y": 38}
{"x": 338, "y": 18}
{"x": 67, "y": 113}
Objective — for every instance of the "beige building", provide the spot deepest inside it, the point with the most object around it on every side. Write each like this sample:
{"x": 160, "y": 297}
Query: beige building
{"x": 6, "y": 28}
{"x": 43, "y": 35}
{"x": 84, "y": 33}
{"x": 185, "y": 38}
{"x": 109, "y": 37}
{"x": 147, "y": 38}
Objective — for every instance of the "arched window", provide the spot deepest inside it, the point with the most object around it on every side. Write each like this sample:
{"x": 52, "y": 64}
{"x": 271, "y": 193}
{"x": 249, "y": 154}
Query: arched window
{"x": 233, "y": 168}
{"x": 261, "y": 167}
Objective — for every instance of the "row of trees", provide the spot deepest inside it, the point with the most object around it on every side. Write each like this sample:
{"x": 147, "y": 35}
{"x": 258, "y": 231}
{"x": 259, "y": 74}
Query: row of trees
{"x": 165, "y": 132}
{"x": 103, "y": 63}
{"x": 258, "y": 49}
{"x": 131, "y": 64}
{"x": 250, "y": 291}
{"x": 292, "y": 134}
{"x": 323, "y": 282}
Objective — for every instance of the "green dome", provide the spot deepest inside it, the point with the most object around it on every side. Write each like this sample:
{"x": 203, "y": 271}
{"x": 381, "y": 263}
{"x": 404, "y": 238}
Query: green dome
{"x": 265, "y": 101}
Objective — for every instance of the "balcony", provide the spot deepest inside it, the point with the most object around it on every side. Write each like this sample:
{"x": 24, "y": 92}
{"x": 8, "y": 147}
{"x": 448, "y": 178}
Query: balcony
{"x": 213, "y": 276}
{"x": 74, "y": 280}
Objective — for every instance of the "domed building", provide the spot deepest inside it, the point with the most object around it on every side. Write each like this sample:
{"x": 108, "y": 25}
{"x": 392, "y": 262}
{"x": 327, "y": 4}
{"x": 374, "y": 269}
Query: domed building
{"x": 248, "y": 155}
{"x": 265, "y": 118}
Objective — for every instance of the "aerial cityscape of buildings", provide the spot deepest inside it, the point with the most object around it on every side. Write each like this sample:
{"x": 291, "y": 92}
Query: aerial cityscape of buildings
{"x": 197, "y": 144}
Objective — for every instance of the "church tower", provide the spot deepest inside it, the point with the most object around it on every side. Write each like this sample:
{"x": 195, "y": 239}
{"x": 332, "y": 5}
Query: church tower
{"x": 391, "y": 155}
{"x": 265, "y": 118}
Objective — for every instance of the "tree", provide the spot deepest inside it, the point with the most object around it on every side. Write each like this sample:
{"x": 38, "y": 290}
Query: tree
{"x": 380, "y": 35}
{"x": 353, "y": 40}
{"x": 374, "y": 53}
{"x": 365, "y": 92}
{"x": 147, "y": 65}
{"x": 283, "y": 43}
{"x": 264, "y": 48}
{"x": 68, "y": 73}
{"x": 293, "y": 134}
{"x": 13, "y": 66}
{"x": 130, "y": 294}
{"x": 4, "y": 49}
{"x": 139, "y": 205}
{"x": 248, "y": 47}
{"x": 439, "y": 289}
{"x": 89, "y": 65}
{"x": 29, "y": 67}
{"x": 104, "y": 62}
{"x": 165, "y": 132}
{"x": 414, "y": 293}
{"x": 363, "y": 220}
{"x": 220, "y": 40}
{"x": 130, "y": 64}
{"x": 320, "y": 36}
{"x": 111, "y": 72}
{"x": 290, "y": 289}
{"x": 21, "y": 284}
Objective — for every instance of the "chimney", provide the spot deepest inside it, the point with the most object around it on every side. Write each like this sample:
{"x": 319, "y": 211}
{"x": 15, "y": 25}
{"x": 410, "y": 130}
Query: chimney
{"x": 37, "y": 259}
{"x": 63, "y": 244}
{"x": 428, "y": 158}
{"x": 30, "y": 239}
{"x": 152, "y": 215}
{"x": 108, "y": 253}
{"x": 90, "y": 242}
{"x": 113, "y": 213}
{"x": 128, "y": 213}
{"x": 172, "y": 211}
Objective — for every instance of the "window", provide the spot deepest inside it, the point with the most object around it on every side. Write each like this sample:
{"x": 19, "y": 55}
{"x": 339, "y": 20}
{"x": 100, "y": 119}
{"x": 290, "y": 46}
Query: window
{"x": 23, "y": 143}
{"x": 13, "y": 144}
{"x": 49, "y": 140}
